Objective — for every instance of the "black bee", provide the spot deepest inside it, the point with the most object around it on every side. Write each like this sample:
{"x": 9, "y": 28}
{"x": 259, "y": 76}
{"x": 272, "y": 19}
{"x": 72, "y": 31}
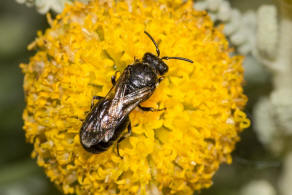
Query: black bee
{"x": 109, "y": 117}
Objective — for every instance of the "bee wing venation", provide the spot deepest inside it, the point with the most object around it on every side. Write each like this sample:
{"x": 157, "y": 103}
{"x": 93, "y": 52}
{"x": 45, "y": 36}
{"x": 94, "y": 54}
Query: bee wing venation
{"x": 137, "y": 96}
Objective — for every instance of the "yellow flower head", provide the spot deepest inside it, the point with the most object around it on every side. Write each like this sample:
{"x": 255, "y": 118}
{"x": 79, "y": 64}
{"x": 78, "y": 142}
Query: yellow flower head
{"x": 173, "y": 151}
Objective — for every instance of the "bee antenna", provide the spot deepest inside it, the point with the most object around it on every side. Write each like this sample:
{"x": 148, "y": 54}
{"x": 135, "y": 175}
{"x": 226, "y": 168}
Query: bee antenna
{"x": 157, "y": 49}
{"x": 178, "y": 58}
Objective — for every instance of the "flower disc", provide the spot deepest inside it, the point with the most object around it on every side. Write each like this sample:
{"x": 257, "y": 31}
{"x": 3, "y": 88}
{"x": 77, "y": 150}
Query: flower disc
{"x": 173, "y": 151}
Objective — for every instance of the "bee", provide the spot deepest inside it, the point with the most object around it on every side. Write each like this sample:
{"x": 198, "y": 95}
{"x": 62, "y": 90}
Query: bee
{"x": 109, "y": 117}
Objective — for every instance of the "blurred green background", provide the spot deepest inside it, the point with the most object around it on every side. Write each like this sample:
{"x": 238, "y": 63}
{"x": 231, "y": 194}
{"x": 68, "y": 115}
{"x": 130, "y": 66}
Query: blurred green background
{"x": 19, "y": 174}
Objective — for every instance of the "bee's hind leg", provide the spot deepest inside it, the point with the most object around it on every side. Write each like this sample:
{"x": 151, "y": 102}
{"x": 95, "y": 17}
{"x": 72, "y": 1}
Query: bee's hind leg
{"x": 123, "y": 137}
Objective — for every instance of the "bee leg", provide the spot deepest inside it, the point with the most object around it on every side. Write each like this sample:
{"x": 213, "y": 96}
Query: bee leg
{"x": 135, "y": 59}
{"x": 95, "y": 98}
{"x": 129, "y": 129}
{"x": 147, "y": 109}
{"x": 76, "y": 117}
{"x": 159, "y": 80}
{"x": 123, "y": 137}
{"x": 113, "y": 80}
{"x": 114, "y": 77}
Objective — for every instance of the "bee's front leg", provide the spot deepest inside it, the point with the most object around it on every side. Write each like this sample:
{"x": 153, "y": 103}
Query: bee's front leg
{"x": 160, "y": 79}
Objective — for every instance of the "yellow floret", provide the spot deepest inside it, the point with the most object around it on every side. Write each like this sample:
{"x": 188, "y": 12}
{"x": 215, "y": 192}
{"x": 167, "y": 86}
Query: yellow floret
{"x": 174, "y": 151}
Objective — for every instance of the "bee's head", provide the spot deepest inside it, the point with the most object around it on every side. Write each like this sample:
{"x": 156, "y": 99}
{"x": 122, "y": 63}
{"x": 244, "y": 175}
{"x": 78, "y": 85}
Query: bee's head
{"x": 156, "y": 63}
